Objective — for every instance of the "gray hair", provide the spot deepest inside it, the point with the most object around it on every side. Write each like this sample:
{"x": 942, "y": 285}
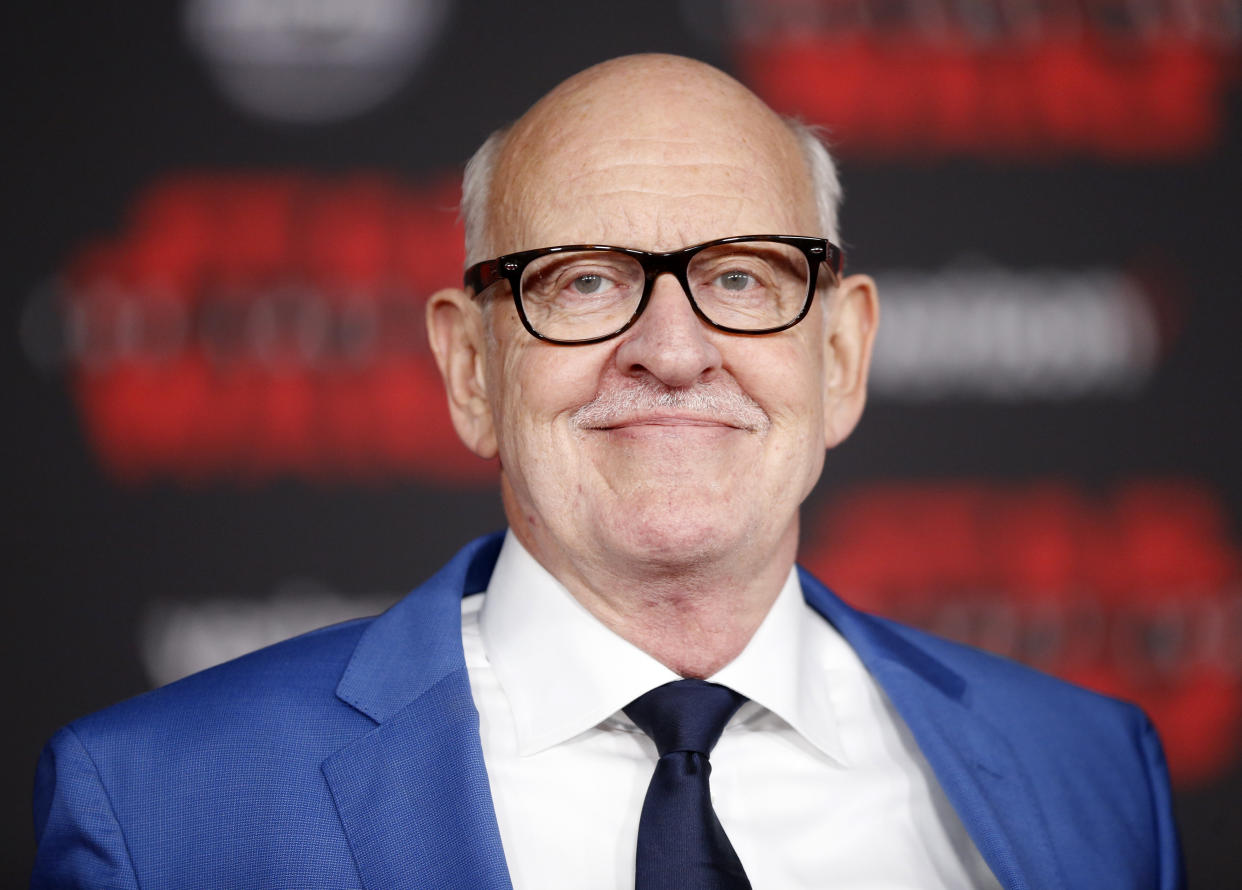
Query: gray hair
{"x": 476, "y": 186}
{"x": 823, "y": 174}
{"x": 476, "y": 192}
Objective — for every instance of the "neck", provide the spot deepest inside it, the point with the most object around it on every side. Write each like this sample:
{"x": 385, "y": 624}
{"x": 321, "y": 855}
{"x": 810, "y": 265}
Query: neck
{"x": 693, "y": 618}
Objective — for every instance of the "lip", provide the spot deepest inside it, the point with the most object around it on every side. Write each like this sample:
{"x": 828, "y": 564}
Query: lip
{"x": 669, "y": 420}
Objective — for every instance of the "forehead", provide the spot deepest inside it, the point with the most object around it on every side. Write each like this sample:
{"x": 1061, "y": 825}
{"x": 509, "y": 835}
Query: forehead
{"x": 650, "y": 165}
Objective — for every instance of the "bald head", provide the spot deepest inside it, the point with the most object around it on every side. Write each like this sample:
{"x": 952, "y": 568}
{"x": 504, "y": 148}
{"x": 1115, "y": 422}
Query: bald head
{"x": 676, "y": 127}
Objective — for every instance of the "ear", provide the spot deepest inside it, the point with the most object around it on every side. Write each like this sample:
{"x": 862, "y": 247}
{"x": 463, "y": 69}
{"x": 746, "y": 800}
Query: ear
{"x": 853, "y": 314}
{"x": 458, "y": 340}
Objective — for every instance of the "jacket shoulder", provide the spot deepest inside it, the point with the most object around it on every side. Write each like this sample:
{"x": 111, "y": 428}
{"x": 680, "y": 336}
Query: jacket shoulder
{"x": 1002, "y": 686}
{"x": 274, "y": 686}
{"x": 992, "y": 684}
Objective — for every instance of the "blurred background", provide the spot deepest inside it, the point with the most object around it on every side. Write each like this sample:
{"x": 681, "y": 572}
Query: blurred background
{"x": 225, "y": 217}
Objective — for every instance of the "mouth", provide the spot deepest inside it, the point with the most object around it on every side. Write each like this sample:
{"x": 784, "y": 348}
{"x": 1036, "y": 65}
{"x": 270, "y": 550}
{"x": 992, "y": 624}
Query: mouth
{"x": 672, "y": 421}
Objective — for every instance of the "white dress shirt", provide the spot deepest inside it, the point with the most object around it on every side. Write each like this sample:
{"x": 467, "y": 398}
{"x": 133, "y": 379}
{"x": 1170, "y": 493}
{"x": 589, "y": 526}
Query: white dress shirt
{"x": 816, "y": 780}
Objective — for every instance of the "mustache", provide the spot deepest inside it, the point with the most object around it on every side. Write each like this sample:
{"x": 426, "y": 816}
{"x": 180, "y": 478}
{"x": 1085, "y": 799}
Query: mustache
{"x": 717, "y": 401}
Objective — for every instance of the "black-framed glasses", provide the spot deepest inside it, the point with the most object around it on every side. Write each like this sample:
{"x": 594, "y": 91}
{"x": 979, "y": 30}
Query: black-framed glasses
{"x": 585, "y": 293}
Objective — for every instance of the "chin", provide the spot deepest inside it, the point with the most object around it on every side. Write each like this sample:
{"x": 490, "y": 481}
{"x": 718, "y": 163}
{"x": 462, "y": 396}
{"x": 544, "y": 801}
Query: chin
{"x": 676, "y": 539}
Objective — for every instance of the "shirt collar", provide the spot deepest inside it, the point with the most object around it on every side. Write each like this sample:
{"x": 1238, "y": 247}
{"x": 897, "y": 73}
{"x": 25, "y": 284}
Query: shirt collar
{"x": 563, "y": 672}
{"x": 796, "y": 665}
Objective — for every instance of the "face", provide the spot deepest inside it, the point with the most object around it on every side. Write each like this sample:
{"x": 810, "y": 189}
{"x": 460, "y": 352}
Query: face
{"x": 672, "y": 444}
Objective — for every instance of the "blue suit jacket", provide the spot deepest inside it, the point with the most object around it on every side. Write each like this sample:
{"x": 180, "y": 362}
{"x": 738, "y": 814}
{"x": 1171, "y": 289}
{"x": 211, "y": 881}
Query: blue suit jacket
{"x": 350, "y": 757}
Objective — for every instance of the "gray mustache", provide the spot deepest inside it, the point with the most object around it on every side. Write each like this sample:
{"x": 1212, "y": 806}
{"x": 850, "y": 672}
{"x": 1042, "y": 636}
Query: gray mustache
{"x": 715, "y": 401}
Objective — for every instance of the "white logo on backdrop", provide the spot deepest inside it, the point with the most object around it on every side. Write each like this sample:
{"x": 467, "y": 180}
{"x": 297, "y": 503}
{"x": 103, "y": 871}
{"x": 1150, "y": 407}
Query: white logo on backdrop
{"x": 178, "y": 638}
{"x": 312, "y": 61}
{"x": 986, "y": 332}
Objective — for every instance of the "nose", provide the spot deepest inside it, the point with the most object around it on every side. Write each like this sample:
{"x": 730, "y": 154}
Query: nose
{"x": 669, "y": 341}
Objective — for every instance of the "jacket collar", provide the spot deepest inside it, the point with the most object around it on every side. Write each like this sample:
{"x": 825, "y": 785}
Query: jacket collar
{"x": 417, "y": 643}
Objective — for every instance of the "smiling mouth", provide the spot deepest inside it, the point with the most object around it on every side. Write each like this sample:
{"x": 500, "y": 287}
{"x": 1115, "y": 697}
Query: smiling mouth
{"x": 671, "y": 420}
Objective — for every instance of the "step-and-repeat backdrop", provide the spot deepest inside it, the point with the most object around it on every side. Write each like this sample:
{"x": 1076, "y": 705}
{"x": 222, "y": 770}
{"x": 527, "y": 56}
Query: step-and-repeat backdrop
{"x": 225, "y": 218}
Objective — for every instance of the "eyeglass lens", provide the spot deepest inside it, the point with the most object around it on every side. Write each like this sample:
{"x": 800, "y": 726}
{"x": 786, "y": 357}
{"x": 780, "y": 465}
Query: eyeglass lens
{"x": 749, "y": 286}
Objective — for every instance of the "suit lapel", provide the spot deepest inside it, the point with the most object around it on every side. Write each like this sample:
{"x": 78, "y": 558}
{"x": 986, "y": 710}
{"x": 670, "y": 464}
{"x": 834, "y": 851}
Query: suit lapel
{"x": 413, "y": 797}
{"x": 413, "y": 794}
{"x": 974, "y": 762}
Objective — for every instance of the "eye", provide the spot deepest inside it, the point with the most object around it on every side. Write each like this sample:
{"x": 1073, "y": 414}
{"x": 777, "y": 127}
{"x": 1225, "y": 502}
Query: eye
{"x": 589, "y": 284}
{"x": 580, "y": 279}
{"x": 735, "y": 280}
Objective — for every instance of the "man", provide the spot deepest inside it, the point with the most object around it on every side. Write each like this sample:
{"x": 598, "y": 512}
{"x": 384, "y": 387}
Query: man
{"x": 659, "y": 411}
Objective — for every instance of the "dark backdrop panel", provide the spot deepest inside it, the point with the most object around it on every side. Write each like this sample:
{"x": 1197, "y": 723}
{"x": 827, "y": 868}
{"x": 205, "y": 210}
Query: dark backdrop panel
{"x": 222, "y": 227}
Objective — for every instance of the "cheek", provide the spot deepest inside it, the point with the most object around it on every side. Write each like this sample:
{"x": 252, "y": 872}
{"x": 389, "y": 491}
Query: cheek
{"x": 541, "y": 386}
{"x": 786, "y": 379}
{"x": 785, "y": 376}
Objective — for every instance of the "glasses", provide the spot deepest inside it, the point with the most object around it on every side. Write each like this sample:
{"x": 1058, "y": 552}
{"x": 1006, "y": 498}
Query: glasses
{"x": 580, "y": 293}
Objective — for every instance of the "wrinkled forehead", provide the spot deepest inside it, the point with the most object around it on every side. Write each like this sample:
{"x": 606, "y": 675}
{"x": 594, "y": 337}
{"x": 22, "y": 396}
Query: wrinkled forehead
{"x": 654, "y": 162}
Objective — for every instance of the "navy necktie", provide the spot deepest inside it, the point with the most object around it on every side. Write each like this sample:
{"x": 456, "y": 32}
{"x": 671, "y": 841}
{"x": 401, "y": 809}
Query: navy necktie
{"x": 681, "y": 844}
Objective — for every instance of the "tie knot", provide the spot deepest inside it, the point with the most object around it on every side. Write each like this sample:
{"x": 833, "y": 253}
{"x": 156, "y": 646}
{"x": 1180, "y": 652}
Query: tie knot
{"x": 685, "y": 715}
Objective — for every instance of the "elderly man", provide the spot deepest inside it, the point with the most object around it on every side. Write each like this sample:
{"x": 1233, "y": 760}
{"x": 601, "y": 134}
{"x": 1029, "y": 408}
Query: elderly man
{"x": 656, "y": 340}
